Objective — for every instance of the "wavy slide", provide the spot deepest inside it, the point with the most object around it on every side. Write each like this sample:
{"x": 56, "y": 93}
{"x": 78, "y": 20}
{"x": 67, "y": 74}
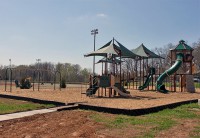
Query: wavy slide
{"x": 159, "y": 83}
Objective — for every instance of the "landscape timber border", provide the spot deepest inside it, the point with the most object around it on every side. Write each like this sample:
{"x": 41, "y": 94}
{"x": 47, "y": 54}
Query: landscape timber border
{"x": 85, "y": 106}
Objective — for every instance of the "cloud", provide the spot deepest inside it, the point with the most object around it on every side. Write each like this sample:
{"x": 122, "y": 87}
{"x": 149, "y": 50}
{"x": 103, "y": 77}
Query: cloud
{"x": 102, "y": 15}
{"x": 84, "y": 17}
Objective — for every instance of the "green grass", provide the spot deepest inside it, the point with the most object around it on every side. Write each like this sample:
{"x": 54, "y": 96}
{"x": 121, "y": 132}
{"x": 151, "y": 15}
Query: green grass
{"x": 156, "y": 122}
{"x": 11, "y": 106}
{"x": 197, "y": 85}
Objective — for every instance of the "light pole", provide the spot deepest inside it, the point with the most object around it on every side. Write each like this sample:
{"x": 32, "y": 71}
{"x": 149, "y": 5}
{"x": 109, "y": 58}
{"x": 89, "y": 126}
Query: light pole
{"x": 94, "y": 32}
{"x": 10, "y": 69}
{"x": 38, "y": 60}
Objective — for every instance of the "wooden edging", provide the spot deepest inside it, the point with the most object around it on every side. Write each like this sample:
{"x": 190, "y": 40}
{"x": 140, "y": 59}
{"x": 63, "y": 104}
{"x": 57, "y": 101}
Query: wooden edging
{"x": 134, "y": 112}
{"x": 32, "y": 100}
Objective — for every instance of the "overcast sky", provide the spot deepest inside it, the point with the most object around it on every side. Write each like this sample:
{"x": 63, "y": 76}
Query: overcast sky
{"x": 60, "y": 30}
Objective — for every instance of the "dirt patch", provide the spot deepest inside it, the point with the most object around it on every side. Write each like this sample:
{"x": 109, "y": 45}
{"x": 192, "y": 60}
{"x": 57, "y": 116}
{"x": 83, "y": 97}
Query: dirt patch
{"x": 183, "y": 130}
{"x": 11, "y": 101}
{"x": 78, "y": 123}
{"x": 59, "y": 124}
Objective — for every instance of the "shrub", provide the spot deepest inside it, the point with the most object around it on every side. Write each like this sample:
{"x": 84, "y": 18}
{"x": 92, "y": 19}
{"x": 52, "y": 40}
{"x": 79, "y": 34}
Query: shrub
{"x": 63, "y": 83}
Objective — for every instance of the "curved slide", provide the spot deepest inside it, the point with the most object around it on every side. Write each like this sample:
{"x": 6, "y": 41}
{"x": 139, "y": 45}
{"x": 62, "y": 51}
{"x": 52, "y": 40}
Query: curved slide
{"x": 149, "y": 77}
{"x": 161, "y": 87}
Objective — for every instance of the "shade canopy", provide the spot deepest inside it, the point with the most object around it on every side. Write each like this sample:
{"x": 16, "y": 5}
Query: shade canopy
{"x": 144, "y": 52}
{"x": 109, "y": 48}
{"x": 104, "y": 60}
{"x": 126, "y": 53}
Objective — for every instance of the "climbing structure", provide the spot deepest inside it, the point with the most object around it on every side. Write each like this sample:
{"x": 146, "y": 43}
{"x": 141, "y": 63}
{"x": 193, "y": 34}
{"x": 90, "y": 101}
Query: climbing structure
{"x": 180, "y": 70}
{"x": 110, "y": 81}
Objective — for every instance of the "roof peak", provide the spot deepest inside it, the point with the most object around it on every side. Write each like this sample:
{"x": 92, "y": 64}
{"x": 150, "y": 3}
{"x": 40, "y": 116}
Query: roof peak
{"x": 182, "y": 46}
{"x": 181, "y": 42}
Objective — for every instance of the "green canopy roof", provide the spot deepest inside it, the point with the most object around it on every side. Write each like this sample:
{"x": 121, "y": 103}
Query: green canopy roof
{"x": 104, "y": 50}
{"x": 111, "y": 48}
{"x": 126, "y": 53}
{"x": 183, "y": 46}
{"x": 116, "y": 61}
{"x": 145, "y": 52}
{"x": 107, "y": 44}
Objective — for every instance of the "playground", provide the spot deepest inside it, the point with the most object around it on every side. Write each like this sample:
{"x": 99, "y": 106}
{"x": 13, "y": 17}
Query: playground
{"x": 149, "y": 90}
{"x": 82, "y": 123}
{"x": 146, "y": 87}
{"x": 138, "y": 99}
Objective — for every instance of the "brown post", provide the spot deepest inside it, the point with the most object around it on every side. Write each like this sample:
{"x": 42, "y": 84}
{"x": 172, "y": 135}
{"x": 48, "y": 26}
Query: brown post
{"x": 190, "y": 65}
{"x": 181, "y": 82}
{"x": 147, "y": 70}
{"x": 143, "y": 70}
{"x": 136, "y": 73}
{"x": 175, "y": 82}
{"x": 129, "y": 80}
{"x": 102, "y": 69}
{"x": 140, "y": 72}
{"x": 152, "y": 78}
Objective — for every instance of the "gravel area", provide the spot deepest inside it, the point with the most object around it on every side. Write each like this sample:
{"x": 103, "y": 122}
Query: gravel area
{"x": 139, "y": 99}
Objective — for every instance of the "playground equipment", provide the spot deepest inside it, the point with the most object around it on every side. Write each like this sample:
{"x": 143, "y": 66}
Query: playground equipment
{"x": 93, "y": 87}
{"x": 149, "y": 78}
{"x": 181, "y": 66}
{"x": 24, "y": 83}
{"x": 180, "y": 69}
{"x": 111, "y": 81}
{"x": 24, "y": 74}
{"x": 144, "y": 55}
{"x": 161, "y": 87}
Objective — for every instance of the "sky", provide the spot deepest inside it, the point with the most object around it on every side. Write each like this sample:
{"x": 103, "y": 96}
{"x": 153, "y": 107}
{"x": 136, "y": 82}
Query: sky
{"x": 60, "y": 30}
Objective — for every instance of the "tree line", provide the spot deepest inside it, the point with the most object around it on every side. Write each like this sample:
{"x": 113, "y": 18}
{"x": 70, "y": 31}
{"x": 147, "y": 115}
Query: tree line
{"x": 47, "y": 71}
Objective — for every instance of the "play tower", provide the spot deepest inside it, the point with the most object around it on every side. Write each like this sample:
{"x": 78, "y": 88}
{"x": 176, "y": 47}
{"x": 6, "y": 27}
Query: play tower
{"x": 110, "y": 81}
{"x": 180, "y": 70}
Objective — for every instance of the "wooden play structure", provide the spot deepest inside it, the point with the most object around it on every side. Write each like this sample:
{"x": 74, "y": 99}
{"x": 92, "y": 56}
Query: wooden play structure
{"x": 178, "y": 75}
{"x": 180, "y": 72}
{"x": 113, "y": 82}
{"x": 110, "y": 81}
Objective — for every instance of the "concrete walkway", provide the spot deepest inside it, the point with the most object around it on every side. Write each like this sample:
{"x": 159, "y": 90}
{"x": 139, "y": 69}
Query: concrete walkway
{"x": 34, "y": 112}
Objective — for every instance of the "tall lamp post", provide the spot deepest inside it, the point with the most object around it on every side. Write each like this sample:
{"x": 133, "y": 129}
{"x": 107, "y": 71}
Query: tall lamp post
{"x": 94, "y": 32}
{"x": 10, "y": 70}
{"x": 38, "y": 60}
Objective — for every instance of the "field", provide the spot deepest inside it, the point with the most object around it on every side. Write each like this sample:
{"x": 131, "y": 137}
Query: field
{"x": 180, "y": 122}
{"x": 11, "y": 106}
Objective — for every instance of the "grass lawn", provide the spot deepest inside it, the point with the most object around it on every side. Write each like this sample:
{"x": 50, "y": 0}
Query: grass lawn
{"x": 11, "y": 106}
{"x": 152, "y": 125}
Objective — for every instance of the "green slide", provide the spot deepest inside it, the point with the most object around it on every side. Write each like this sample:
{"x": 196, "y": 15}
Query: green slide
{"x": 161, "y": 87}
{"x": 149, "y": 77}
